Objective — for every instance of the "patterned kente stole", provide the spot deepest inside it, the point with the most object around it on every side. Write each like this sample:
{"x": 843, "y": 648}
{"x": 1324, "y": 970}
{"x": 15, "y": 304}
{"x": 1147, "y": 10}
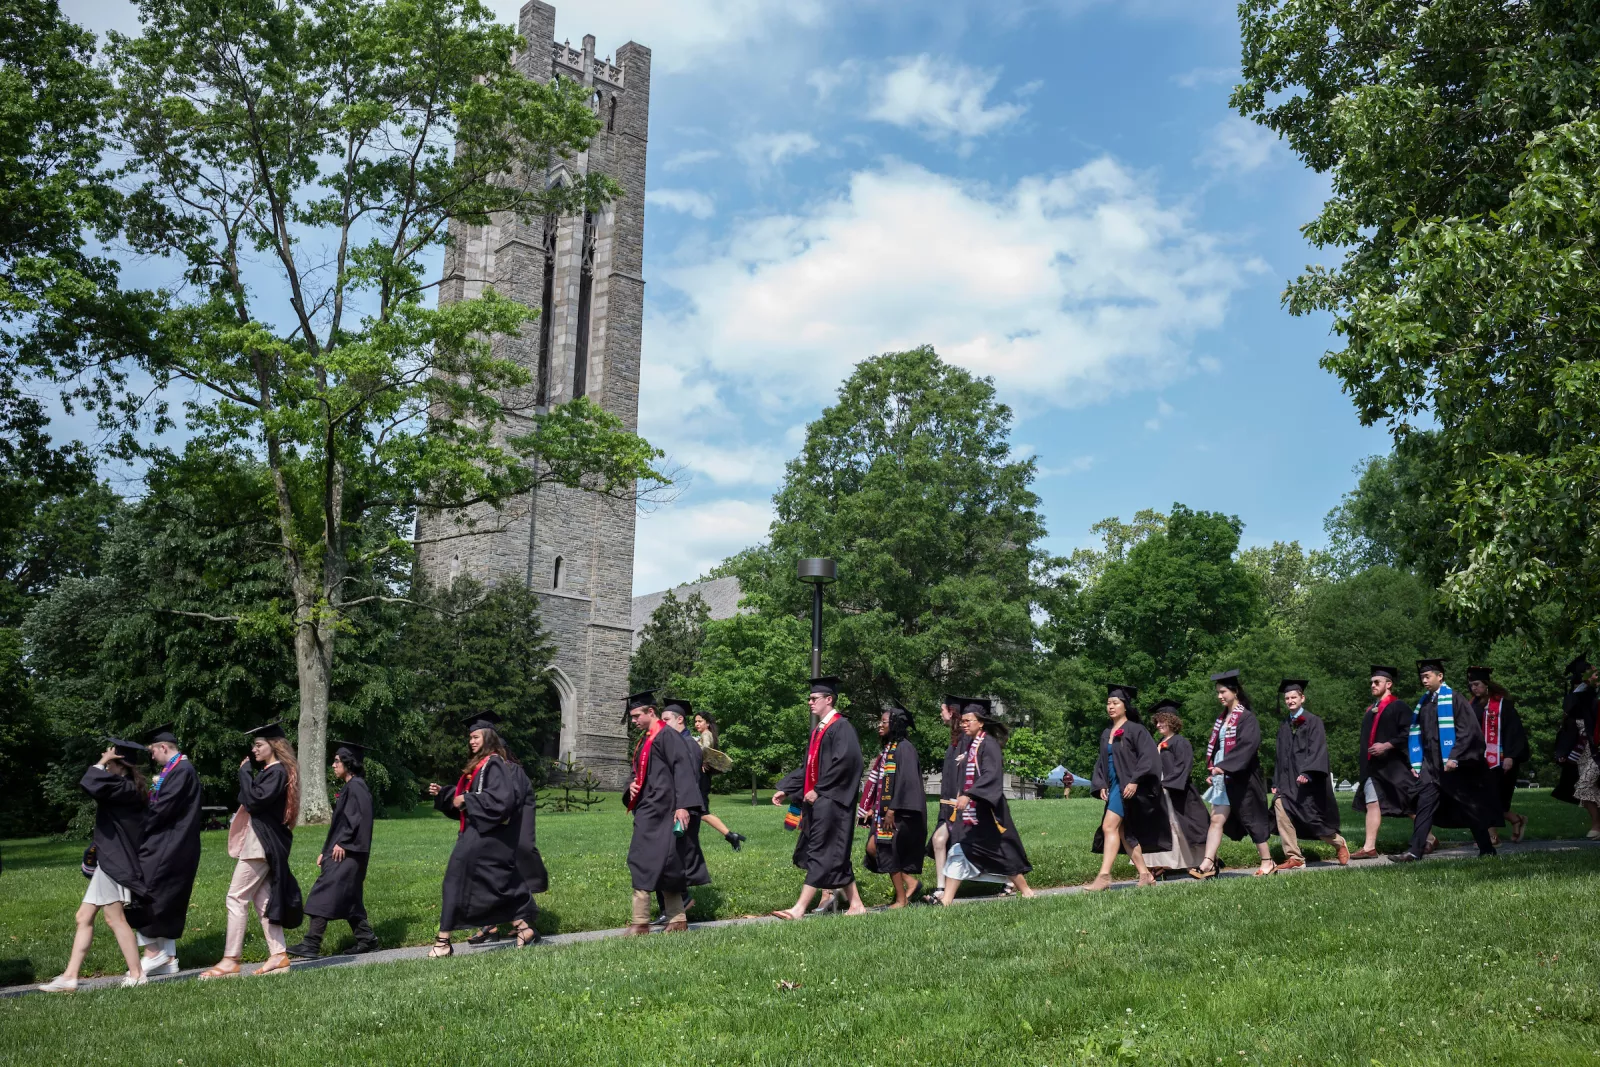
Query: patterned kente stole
{"x": 1446, "y": 708}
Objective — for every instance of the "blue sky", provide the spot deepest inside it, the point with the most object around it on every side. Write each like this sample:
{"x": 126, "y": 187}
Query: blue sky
{"x": 1053, "y": 194}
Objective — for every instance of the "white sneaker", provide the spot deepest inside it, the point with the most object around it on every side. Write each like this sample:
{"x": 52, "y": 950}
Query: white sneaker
{"x": 159, "y": 964}
{"x": 60, "y": 984}
{"x": 1593, "y": 835}
{"x": 131, "y": 980}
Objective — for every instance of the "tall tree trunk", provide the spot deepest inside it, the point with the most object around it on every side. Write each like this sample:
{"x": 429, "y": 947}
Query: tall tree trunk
{"x": 313, "y": 654}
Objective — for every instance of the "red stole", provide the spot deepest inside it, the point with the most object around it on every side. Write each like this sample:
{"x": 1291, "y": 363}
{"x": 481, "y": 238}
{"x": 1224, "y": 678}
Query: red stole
{"x": 812, "y": 750}
{"x": 640, "y": 762}
{"x": 464, "y": 786}
{"x": 1372, "y": 737}
{"x": 1492, "y": 748}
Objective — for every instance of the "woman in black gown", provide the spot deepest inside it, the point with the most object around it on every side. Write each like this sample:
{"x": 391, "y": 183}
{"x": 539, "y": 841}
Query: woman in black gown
{"x": 894, "y": 808}
{"x": 1127, "y": 776}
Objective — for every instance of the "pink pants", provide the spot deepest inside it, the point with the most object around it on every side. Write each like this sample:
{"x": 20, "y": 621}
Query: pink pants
{"x": 252, "y": 884}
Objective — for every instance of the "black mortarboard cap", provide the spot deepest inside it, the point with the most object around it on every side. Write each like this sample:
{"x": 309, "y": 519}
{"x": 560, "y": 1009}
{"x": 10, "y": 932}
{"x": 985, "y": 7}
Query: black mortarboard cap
{"x": 128, "y": 750}
{"x": 1578, "y": 667}
{"x": 1164, "y": 705}
{"x": 951, "y": 701}
{"x": 162, "y": 734}
{"x": 270, "y": 732}
{"x": 340, "y": 748}
{"x": 1227, "y": 678}
{"x": 1291, "y": 683}
{"x": 979, "y": 706}
{"x": 645, "y": 699}
{"x": 482, "y": 720}
{"x": 1430, "y": 665}
{"x": 683, "y": 707}
{"x": 828, "y": 685}
{"x": 1479, "y": 674}
{"x": 1379, "y": 670}
{"x": 1126, "y": 693}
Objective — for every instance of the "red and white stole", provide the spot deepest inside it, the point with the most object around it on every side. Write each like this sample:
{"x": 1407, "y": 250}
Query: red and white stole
{"x": 640, "y": 763}
{"x": 815, "y": 747}
{"x": 1493, "y": 750}
{"x": 1224, "y": 732}
{"x": 970, "y": 775}
{"x": 464, "y": 786}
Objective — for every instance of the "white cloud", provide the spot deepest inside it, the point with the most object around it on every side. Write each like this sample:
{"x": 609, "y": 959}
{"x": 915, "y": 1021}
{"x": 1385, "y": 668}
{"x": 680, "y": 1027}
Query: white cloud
{"x": 1193, "y": 79}
{"x": 1155, "y": 422}
{"x": 772, "y": 149}
{"x": 683, "y": 201}
{"x": 691, "y": 157}
{"x": 1066, "y": 289}
{"x": 1075, "y": 465}
{"x": 941, "y": 98}
{"x": 1238, "y": 146}
{"x": 679, "y": 543}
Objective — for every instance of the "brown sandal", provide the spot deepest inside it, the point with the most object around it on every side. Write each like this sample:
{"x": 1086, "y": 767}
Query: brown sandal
{"x": 219, "y": 971}
{"x": 278, "y": 964}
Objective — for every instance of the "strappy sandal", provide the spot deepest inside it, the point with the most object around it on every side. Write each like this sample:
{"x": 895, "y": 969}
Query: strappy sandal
{"x": 1009, "y": 890}
{"x": 934, "y": 897}
{"x": 219, "y": 971}
{"x": 1520, "y": 831}
{"x": 1202, "y": 872}
{"x": 441, "y": 948}
{"x": 486, "y": 935}
{"x": 278, "y": 964}
{"x": 1267, "y": 868}
{"x": 526, "y": 936}
{"x": 1148, "y": 878}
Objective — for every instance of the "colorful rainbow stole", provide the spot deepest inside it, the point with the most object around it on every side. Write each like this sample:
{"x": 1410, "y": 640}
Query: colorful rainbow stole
{"x": 791, "y": 818}
{"x": 155, "y": 786}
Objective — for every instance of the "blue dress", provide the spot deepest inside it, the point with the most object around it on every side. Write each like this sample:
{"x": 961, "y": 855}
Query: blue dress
{"x": 1114, "y": 790}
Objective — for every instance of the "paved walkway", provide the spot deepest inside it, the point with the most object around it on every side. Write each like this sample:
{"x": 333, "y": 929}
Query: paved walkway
{"x": 415, "y": 952}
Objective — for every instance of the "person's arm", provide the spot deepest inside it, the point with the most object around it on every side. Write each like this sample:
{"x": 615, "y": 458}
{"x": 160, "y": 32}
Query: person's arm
{"x": 1513, "y": 735}
{"x": 908, "y": 794}
{"x": 988, "y": 784}
{"x": 1316, "y": 759}
{"x": 1179, "y": 762}
{"x": 260, "y": 793}
{"x": 178, "y": 795}
{"x": 839, "y": 764}
{"x": 1144, "y": 764}
{"x": 791, "y": 783}
{"x": 1100, "y": 777}
{"x": 1468, "y": 747}
{"x": 1246, "y": 743}
{"x": 360, "y": 815}
{"x": 685, "y": 763}
{"x": 492, "y": 798}
{"x": 108, "y": 787}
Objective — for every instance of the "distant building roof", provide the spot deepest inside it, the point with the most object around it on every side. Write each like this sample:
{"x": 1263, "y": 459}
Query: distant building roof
{"x": 720, "y": 594}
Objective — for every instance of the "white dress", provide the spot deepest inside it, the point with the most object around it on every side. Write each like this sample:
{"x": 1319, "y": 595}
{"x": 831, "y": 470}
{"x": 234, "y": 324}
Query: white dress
{"x": 103, "y": 890}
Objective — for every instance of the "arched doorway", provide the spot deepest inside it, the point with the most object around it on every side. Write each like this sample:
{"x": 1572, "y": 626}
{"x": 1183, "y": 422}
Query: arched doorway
{"x": 566, "y": 742}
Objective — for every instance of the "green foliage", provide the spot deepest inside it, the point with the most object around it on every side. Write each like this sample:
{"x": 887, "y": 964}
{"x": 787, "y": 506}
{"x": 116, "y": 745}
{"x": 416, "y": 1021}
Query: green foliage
{"x": 1029, "y": 756}
{"x": 1464, "y": 156}
{"x": 669, "y": 643}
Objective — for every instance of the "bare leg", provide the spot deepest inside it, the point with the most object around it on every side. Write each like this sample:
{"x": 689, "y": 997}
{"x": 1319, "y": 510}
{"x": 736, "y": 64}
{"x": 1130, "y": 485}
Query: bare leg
{"x": 1594, "y": 814}
{"x": 941, "y": 850}
{"x": 715, "y": 823}
{"x": 127, "y": 940}
{"x": 81, "y": 939}
{"x": 852, "y": 893}
{"x": 1214, "y": 839}
{"x": 1111, "y": 827}
{"x": 1374, "y": 820}
{"x": 902, "y": 889}
{"x": 1265, "y": 849}
{"x": 952, "y": 886}
{"x": 1137, "y": 856}
{"x": 808, "y": 893}
{"x": 1023, "y": 888}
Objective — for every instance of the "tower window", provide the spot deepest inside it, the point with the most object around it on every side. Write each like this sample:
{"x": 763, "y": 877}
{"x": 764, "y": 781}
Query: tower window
{"x": 547, "y": 307}
{"x": 555, "y": 577}
{"x": 611, "y": 116}
{"x": 580, "y": 358}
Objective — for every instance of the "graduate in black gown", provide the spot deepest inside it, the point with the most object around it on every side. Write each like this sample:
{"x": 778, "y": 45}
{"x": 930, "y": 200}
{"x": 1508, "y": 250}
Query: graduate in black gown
{"x": 117, "y": 786}
{"x": 1238, "y": 793}
{"x": 260, "y": 838}
{"x": 984, "y": 842}
{"x": 675, "y": 714}
{"x": 1576, "y": 741}
{"x": 1446, "y": 750}
{"x": 828, "y": 784}
{"x": 170, "y": 854}
{"x": 1385, "y": 786}
{"x": 1191, "y": 821}
{"x": 339, "y": 892}
{"x": 894, "y": 809}
{"x": 484, "y": 884}
{"x": 1302, "y": 781}
{"x": 1127, "y": 776}
{"x": 1505, "y": 743}
{"x": 949, "y": 785}
{"x": 663, "y": 793}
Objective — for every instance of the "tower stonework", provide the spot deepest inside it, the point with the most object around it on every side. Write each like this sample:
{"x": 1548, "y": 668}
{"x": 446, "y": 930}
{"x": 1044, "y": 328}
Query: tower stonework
{"x": 572, "y": 548}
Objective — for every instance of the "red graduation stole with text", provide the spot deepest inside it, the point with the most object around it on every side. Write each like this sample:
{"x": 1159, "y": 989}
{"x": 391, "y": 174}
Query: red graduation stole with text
{"x": 464, "y": 786}
{"x": 813, "y": 749}
{"x": 1492, "y": 748}
{"x": 640, "y": 762}
{"x": 1372, "y": 737}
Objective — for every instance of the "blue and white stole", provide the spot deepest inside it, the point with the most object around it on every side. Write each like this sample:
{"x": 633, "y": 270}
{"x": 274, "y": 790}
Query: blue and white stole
{"x": 1446, "y": 707}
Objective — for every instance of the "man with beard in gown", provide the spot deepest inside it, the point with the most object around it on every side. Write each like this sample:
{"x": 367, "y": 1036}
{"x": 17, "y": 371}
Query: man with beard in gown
{"x": 1446, "y": 749}
{"x": 342, "y": 863}
{"x": 169, "y": 855}
{"x": 1385, "y": 786}
{"x": 828, "y": 783}
{"x": 1302, "y": 781}
{"x": 484, "y": 884}
{"x": 1505, "y": 743}
{"x": 984, "y": 843}
{"x": 675, "y": 715}
{"x": 665, "y": 789}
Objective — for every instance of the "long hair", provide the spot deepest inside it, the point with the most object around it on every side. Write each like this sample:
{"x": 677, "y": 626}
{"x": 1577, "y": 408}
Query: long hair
{"x": 1238, "y": 692}
{"x": 1497, "y": 690}
{"x": 128, "y": 769}
{"x": 712, "y": 729}
{"x": 291, "y": 801}
{"x": 493, "y": 745}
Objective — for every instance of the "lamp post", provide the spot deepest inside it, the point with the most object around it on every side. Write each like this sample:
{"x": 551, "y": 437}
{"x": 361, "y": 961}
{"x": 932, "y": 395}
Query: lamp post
{"x": 817, "y": 573}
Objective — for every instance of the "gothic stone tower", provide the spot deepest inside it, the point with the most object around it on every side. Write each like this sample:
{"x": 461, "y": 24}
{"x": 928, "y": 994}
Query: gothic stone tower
{"x": 574, "y": 549}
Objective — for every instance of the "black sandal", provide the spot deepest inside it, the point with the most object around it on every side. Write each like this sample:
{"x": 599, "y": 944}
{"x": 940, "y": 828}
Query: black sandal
{"x": 441, "y": 947}
{"x": 486, "y": 935}
{"x": 531, "y": 938}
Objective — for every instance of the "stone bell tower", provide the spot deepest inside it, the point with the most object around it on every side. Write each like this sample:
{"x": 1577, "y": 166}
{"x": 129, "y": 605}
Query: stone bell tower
{"x": 573, "y": 548}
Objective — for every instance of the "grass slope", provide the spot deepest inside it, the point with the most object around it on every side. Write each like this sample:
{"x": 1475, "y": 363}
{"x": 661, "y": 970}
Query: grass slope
{"x": 41, "y": 886}
{"x": 1451, "y": 962}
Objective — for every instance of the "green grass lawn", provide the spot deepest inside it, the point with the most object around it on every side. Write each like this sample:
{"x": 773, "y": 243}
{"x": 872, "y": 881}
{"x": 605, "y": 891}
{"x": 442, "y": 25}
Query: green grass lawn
{"x": 1459, "y": 962}
{"x": 586, "y": 853}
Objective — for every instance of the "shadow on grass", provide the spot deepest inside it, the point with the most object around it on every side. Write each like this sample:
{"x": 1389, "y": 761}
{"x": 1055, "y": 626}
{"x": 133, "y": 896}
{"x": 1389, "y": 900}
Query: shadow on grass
{"x": 37, "y": 852}
{"x": 17, "y": 972}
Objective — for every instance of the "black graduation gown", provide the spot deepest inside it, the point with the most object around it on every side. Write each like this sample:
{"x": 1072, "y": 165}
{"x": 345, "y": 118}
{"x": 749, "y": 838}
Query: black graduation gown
{"x": 695, "y": 871}
{"x": 1513, "y": 746}
{"x": 903, "y": 854}
{"x": 1177, "y": 760}
{"x": 1577, "y": 715}
{"x": 338, "y": 891}
{"x": 671, "y": 781}
{"x": 1247, "y": 789}
{"x": 170, "y": 855}
{"x": 827, "y": 830}
{"x": 992, "y": 844}
{"x": 1303, "y": 749}
{"x": 483, "y": 884}
{"x": 1144, "y": 816}
{"x": 1389, "y": 773}
{"x": 949, "y": 786}
{"x": 118, "y": 825}
{"x": 1466, "y": 794}
{"x": 529, "y": 863}
{"x": 265, "y": 795}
